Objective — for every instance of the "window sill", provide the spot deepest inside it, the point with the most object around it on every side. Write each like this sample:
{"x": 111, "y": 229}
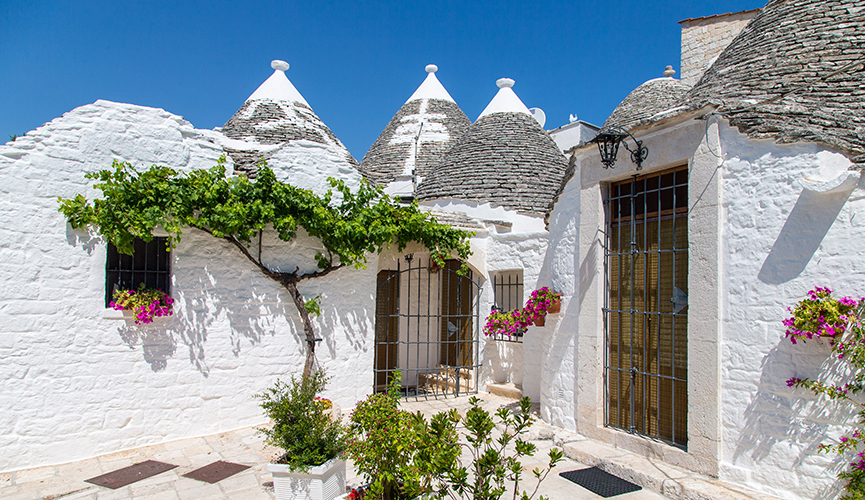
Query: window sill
{"x": 109, "y": 313}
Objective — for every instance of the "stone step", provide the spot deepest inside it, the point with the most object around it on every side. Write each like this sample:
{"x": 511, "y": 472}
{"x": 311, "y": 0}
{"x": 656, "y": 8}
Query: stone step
{"x": 506, "y": 390}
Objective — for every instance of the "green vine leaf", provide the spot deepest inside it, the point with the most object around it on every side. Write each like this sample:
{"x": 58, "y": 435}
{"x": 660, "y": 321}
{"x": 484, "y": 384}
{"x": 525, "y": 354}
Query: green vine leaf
{"x": 365, "y": 221}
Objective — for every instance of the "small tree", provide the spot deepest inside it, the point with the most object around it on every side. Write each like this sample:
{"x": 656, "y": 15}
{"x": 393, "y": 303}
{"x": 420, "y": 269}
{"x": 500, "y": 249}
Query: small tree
{"x": 235, "y": 209}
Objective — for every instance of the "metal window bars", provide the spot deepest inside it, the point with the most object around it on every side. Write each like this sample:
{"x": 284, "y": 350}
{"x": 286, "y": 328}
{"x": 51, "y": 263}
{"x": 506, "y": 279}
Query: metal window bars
{"x": 645, "y": 312}
{"x": 150, "y": 263}
{"x": 426, "y": 328}
{"x": 508, "y": 295}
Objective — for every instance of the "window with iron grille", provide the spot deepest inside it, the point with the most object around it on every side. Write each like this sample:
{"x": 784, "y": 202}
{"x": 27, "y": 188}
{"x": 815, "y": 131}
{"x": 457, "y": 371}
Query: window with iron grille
{"x": 646, "y": 320}
{"x": 508, "y": 295}
{"x": 150, "y": 263}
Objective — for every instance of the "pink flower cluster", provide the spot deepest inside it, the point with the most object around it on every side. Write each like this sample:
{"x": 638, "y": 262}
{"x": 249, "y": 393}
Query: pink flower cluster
{"x": 514, "y": 323}
{"x": 539, "y": 303}
{"x": 147, "y": 304}
{"x": 820, "y": 315}
{"x": 510, "y": 323}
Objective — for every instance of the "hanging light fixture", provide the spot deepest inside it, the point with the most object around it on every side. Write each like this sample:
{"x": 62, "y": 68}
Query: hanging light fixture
{"x": 608, "y": 140}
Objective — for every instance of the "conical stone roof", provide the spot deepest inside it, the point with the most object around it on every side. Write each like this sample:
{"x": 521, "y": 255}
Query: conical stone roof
{"x": 416, "y": 136}
{"x": 651, "y": 101}
{"x": 505, "y": 158}
{"x": 274, "y": 115}
{"x": 794, "y": 73}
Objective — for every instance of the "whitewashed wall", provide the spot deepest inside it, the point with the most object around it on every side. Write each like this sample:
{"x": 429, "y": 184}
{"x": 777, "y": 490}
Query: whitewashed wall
{"x": 75, "y": 384}
{"x": 518, "y": 363}
{"x": 554, "y": 347}
{"x": 780, "y": 241}
{"x": 757, "y": 243}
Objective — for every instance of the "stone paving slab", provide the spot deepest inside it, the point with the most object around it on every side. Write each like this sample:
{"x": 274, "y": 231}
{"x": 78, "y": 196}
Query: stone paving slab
{"x": 246, "y": 446}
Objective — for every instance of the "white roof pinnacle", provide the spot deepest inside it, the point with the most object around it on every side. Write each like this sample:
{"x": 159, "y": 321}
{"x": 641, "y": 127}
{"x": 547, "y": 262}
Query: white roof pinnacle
{"x": 431, "y": 88}
{"x": 278, "y": 87}
{"x": 505, "y": 101}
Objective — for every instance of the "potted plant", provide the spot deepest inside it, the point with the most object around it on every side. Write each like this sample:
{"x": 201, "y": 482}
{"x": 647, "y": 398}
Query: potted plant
{"x": 543, "y": 301}
{"x": 511, "y": 323}
{"x": 313, "y": 441}
{"x": 820, "y": 315}
{"x": 144, "y": 303}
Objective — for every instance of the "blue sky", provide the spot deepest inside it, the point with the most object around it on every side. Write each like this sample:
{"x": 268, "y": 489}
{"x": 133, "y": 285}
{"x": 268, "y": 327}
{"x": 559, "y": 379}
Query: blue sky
{"x": 355, "y": 62}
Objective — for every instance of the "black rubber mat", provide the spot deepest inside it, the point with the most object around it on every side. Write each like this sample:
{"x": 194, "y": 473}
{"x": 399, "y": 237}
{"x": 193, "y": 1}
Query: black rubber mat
{"x": 217, "y": 471}
{"x": 600, "y": 482}
{"x": 131, "y": 474}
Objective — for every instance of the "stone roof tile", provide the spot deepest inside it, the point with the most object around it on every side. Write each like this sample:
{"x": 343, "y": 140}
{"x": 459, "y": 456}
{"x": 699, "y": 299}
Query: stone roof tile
{"x": 648, "y": 103}
{"x": 269, "y": 122}
{"x": 391, "y": 154}
{"x": 505, "y": 159}
{"x": 794, "y": 73}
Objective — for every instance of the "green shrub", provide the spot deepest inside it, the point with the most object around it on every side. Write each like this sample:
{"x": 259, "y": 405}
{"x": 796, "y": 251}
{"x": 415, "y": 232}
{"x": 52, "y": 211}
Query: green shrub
{"x": 403, "y": 455}
{"x": 383, "y": 442}
{"x": 302, "y": 425}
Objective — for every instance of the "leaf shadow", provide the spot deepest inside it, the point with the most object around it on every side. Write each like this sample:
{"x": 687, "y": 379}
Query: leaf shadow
{"x": 795, "y": 419}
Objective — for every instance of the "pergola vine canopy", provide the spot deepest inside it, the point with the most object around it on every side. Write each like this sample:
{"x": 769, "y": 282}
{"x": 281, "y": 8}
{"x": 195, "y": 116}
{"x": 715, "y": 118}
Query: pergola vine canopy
{"x": 349, "y": 225}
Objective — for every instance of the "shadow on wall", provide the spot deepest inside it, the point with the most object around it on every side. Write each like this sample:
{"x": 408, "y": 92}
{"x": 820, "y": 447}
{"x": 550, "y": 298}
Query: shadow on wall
{"x": 794, "y": 419}
{"x": 196, "y": 309}
{"x": 505, "y": 360}
{"x": 251, "y": 316}
{"x": 804, "y": 230}
{"x": 87, "y": 240}
{"x": 589, "y": 268}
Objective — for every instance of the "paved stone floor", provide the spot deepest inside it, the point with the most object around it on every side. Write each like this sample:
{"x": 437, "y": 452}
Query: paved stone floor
{"x": 245, "y": 446}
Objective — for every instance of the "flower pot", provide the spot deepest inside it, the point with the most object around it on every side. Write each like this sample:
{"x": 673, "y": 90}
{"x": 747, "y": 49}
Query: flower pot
{"x": 557, "y": 307}
{"x": 540, "y": 321}
{"x": 323, "y": 482}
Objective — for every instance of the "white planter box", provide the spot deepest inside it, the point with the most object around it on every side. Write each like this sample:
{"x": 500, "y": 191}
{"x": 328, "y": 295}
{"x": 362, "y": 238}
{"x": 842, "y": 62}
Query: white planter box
{"x": 325, "y": 482}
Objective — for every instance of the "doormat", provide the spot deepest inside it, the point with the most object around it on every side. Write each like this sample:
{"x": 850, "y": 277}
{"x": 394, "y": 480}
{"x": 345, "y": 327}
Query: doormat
{"x": 217, "y": 471}
{"x": 600, "y": 482}
{"x": 131, "y": 474}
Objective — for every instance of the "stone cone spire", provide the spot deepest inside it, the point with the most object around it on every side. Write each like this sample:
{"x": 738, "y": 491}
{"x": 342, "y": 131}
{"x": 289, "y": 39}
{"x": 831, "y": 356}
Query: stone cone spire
{"x": 275, "y": 115}
{"x": 409, "y": 147}
{"x": 504, "y": 158}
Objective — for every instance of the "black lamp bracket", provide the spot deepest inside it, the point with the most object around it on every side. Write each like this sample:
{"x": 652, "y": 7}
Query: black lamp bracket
{"x": 618, "y": 134}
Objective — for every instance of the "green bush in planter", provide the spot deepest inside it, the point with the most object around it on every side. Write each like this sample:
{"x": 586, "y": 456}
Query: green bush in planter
{"x": 302, "y": 425}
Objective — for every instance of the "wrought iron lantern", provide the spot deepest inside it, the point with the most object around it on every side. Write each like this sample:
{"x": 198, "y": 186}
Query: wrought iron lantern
{"x": 608, "y": 140}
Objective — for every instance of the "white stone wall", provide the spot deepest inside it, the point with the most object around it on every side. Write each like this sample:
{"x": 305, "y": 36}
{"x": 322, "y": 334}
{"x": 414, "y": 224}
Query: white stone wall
{"x": 780, "y": 241}
{"x": 757, "y": 243}
{"x": 74, "y": 383}
{"x": 518, "y": 363}
{"x": 555, "y": 349}
{"x": 704, "y": 38}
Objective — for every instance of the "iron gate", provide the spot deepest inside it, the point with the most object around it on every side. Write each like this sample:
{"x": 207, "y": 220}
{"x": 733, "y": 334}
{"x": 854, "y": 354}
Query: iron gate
{"x": 426, "y": 327}
{"x": 646, "y": 260}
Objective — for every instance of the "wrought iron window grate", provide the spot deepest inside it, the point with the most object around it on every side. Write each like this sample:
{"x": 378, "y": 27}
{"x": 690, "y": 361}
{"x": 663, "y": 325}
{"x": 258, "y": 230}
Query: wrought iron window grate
{"x": 645, "y": 315}
{"x": 150, "y": 263}
{"x": 508, "y": 295}
{"x": 426, "y": 328}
